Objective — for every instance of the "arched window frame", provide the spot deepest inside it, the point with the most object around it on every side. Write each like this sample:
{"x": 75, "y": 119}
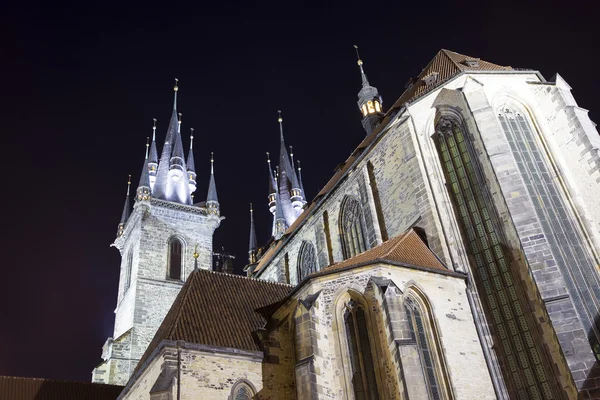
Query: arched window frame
{"x": 173, "y": 240}
{"x": 352, "y": 232}
{"x": 242, "y": 385}
{"x": 307, "y": 260}
{"x": 342, "y": 344}
{"x": 415, "y": 302}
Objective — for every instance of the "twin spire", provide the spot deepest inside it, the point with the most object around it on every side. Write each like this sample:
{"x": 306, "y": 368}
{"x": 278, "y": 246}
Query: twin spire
{"x": 170, "y": 177}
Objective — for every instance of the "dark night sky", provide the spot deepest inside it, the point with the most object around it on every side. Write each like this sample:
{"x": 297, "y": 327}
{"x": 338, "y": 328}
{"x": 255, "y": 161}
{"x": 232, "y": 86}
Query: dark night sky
{"x": 81, "y": 84}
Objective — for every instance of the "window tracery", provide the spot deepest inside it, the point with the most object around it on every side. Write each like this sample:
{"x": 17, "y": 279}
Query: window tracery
{"x": 307, "y": 260}
{"x": 242, "y": 390}
{"x": 352, "y": 228}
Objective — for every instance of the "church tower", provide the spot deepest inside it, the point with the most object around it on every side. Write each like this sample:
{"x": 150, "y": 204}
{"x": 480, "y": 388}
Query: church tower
{"x": 370, "y": 102}
{"x": 160, "y": 240}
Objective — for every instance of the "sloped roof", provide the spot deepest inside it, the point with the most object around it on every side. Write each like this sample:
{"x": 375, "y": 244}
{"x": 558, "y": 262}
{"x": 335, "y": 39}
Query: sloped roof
{"x": 18, "y": 388}
{"x": 217, "y": 309}
{"x": 407, "y": 249}
{"x": 447, "y": 64}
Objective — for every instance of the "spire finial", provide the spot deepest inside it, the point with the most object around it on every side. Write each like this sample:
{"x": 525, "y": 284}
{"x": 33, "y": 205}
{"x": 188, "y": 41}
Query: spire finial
{"x": 154, "y": 129}
{"x": 147, "y": 146}
{"x": 292, "y": 155}
{"x": 365, "y": 81}
{"x": 268, "y": 158}
{"x": 196, "y": 254}
{"x": 191, "y": 137}
{"x": 128, "y": 184}
{"x": 212, "y": 163}
{"x": 175, "y": 89}
{"x": 251, "y": 210}
{"x": 280, "y": 120}
{"x": 299, "y": 167}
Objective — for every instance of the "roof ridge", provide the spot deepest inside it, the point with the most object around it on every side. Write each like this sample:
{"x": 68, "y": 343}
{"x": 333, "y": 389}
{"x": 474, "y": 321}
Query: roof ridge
{"x": 399, "y": 239}
{"x": 54, "y": 380}
{"x": 446, "y": 51}
{"x": 247, "y": 277}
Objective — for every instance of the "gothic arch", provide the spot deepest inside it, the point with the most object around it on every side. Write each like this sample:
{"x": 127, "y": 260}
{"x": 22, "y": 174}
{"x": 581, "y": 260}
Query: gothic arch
{"x": 352, "y": 227}
{"x": 176, "y": 248}
{"x": 423, "y": 325}
{"x": 307, "y": 260}
{"x": 243, "y": 389}
{"x": 357, "y": 345}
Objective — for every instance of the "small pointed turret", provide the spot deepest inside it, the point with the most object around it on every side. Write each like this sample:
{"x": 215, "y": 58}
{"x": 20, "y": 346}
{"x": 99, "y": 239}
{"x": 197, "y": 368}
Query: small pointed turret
{"x": 370, "y": 102}
{"x": 212, "y": 201}
{"x": 280, "y": 223}
{"x": 252, "y": 246}
{"x": 289, "y": 189}
{"x": 126, "y": 210}
{"x": 153, "y": 156}
{"x": 191, "y": 167}
{"x": 272, "y": 186}
{"x": 143, "y": 190}
{"x": 300, "y": 181}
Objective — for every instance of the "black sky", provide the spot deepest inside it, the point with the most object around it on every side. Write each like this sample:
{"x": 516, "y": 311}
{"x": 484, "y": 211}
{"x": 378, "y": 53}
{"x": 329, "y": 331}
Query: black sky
{"x": 82, "y": 82}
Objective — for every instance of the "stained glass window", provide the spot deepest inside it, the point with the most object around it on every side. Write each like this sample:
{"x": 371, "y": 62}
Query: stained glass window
{"x": 351, "y": 226}
{"x": 307, "y": 260}
{"x": 525, "y": 366}
{"x": 242, "y": 391}
{"x": 175, "y": 252}
{"x": 363, "y": 379}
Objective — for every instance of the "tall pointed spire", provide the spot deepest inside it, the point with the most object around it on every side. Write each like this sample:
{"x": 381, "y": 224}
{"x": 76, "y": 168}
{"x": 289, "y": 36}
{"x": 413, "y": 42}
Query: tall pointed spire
{"x": 212, "y": 201}
{"x": 126, "y": 210}
{"x": 191, "y": 167}
{"x": 284, "y": 160}
{"x": 143, "y": 190}
{"x": 370, "y": 102}
{"x": 252, "y": 246}
{"x": 153, "y": 156}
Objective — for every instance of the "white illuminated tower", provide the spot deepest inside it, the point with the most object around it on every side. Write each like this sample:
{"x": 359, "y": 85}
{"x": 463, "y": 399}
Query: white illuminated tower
{"x": 156, "y": 241}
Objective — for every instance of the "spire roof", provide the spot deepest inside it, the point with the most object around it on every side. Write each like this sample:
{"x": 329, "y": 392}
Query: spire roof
{"x": 145, "y": 175}
{"x": 365, "y": 81}
{"x": 212, "y": 186}
{"x": 162, "y": 174}
{"x": 272, "y": 184}
{"x": 178, "y": 156}
{"x": 284, "y": 160}
{"x": 126, "y": 207}
{"x": 300, "y": 180}
{"x": 153, "y": 155}
{"x": 190, "y": 160}
{"x": 252, "y": 246}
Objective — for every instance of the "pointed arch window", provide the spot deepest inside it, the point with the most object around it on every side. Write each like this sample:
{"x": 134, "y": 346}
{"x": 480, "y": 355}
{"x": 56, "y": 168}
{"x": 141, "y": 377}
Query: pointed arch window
{"x": 352, "y": 228}
{"x": 503, "y": 296}
{"x": 364, "y": 383}
{"x": 418, "y": 330}
{"x": 242, "y": 390}
{"x": 307, "y": 260}
{"x": 175, "y": 258}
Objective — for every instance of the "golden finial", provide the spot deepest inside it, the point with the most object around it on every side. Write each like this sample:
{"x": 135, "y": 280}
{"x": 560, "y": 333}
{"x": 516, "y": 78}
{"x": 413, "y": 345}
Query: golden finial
{"x": 196, "y": 254}
{"x": 251, "y": 211}
{"x": 268, "y": 158}
{"x": 147, "y": 146}
{"x": 212, "y": 158}
{"x": 299, "y": 167}
{"x": 359, "y": 62}
{"x": 192, "y": 134}
{"x": 291, "y": 151}
{"x": 180, "y": 115}
{"x": 176, "y": 88}
{"x": 129, "y": 180}
{"x": 279, "y": 119}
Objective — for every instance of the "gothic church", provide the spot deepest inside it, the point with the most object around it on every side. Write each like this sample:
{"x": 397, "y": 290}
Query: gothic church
{"x": 453, "y": 255}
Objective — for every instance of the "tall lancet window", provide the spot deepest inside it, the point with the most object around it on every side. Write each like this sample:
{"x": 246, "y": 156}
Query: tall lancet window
{"x": 128, "y": 267}
{"x": 418, "y": 327}
{"x": 364, "y": 383}
{"x": 307, "y": 260}
{"x": 525, "y": 362}
{"x": 352, "y": 227}
{"x": 175, "y": 257}
{"x": 561, "y": 232}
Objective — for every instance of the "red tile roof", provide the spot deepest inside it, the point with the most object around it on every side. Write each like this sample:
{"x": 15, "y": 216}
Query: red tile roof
{"x": 217, "y": 309}
{"x": 407, "y": 249}
{"x": 17, "y": 388}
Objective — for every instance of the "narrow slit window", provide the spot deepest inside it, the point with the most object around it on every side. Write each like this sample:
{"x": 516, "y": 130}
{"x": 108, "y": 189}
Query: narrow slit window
{"x": 175, "y": 258}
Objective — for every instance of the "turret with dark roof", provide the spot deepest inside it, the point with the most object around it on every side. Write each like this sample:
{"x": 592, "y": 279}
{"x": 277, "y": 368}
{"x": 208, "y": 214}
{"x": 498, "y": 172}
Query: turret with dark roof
{"x": 126, "y": 210}
{"x": 153, "y": 156}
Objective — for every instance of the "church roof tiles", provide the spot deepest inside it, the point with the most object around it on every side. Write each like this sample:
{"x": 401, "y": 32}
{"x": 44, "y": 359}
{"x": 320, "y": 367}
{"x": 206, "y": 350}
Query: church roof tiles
{"x": 217, "y": 309}
{"x": 17, "y": 388}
